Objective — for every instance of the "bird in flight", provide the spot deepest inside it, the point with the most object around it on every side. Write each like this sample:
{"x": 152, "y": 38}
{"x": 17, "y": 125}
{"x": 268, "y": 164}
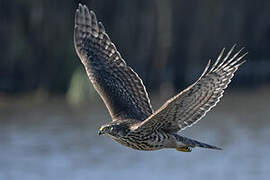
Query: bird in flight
{"x": 134, "y": 123}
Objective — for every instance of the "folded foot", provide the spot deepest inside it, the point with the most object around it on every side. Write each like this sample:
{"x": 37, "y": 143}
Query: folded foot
{"x": 183, "y": 149}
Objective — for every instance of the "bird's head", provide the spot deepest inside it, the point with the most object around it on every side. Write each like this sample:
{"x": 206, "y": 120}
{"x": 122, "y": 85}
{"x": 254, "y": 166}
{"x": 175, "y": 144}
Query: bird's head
{"x": 113, "y": 129}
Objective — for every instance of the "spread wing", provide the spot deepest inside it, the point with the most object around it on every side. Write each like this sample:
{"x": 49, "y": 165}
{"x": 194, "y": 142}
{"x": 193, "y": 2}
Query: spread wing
{"x": 189, "y": 106}
{"x": 118, "y": 85}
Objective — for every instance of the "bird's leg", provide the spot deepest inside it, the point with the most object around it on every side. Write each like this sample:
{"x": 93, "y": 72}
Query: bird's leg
{"x": 183, "y": 149}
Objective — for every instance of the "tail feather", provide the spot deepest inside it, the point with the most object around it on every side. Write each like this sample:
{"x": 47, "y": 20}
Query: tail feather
{"x": 193, "y": 143}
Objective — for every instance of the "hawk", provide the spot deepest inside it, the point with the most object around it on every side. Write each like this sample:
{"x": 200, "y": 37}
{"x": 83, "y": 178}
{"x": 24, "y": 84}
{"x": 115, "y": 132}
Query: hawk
{"x": 134, "y": 123}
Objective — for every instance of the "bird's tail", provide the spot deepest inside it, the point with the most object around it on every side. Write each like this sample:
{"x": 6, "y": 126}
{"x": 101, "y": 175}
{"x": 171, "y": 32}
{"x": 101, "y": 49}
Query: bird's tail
{"x": 185, "y": 144}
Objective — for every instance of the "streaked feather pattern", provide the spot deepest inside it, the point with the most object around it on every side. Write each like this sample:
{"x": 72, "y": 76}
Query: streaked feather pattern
{"x": 190, "y": 105}
{"x": 119, "y": 86}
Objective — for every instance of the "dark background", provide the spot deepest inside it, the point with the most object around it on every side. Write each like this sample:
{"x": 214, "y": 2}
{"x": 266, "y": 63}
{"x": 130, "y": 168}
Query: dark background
{"x": 50, "y": 113}
{"x": 168, "y": 43}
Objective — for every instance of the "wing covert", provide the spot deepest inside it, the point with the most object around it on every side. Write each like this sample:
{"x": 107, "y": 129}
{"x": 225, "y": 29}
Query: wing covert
{"x": 118, "y": 85}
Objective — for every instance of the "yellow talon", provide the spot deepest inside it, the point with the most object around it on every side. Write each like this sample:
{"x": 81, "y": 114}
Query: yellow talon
{"x": 183, "y": 149}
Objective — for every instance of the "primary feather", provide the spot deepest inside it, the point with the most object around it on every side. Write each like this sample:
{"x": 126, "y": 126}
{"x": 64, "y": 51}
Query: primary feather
{"x": 190, "y": 105}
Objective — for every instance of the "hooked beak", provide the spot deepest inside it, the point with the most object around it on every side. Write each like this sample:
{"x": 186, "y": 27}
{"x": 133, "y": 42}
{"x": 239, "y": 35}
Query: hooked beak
{"x": 101, "y": 131}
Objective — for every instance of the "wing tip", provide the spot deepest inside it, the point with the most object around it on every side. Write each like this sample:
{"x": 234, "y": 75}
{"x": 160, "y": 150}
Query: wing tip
{"x": 206, "y": 69}
{"x": 229, "y": 60}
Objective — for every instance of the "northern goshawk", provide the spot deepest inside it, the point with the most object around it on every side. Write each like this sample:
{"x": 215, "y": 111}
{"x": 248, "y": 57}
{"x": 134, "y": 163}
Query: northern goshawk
{"x": 134, "y": 123}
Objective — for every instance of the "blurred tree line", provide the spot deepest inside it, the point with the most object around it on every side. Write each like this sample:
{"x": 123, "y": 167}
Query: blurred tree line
{"x": 165, "y": 42}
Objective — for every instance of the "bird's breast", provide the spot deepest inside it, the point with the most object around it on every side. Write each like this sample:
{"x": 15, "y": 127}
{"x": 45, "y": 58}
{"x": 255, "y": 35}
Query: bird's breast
{"x": 140, "y": 142}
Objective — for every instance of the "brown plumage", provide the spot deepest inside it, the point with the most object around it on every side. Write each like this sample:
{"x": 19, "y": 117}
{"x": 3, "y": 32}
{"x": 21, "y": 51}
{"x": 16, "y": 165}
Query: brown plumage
{"x": 134, "y": 123}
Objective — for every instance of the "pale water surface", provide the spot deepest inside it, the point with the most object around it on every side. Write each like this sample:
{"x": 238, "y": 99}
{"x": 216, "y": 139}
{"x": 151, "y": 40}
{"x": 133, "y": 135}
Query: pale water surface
{"x": 51, "y": 140}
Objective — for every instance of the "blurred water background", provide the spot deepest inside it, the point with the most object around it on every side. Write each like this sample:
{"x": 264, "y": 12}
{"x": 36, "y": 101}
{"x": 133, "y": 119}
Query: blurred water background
{"x": 50, "y": 113}
{"x": 52, "y": 140}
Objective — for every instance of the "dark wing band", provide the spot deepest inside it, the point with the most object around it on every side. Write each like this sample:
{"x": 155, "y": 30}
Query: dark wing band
{"x": 119, "y": 86}
{"x": 193, "y": 103}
